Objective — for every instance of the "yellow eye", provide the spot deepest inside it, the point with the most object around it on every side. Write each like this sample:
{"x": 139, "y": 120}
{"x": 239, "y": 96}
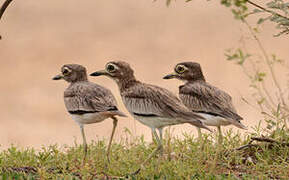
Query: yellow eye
{"x": 110, "y": 68}
{"x": 180, "y": 69}
{"x": 65, "y": 71}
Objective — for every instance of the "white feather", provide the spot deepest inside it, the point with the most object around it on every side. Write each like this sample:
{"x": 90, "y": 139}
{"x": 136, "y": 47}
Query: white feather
{"x": 156, "y": 122}
{"x": 88, "y": 118}
{"x": 211, "y": 120}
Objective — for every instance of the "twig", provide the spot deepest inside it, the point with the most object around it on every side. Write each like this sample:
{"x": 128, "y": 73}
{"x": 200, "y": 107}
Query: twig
{"x": 3, "y": 8}
{"x": 267, "y": 62}
{"x": 260, "y": 139}
{"x": 26, "y": 169}
{"x": 268, "y": 140}
{"x": 245, "y": 146}
{"x": 266, "y": 10}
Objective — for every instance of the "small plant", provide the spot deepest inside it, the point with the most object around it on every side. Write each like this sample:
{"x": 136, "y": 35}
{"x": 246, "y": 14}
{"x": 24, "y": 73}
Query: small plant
{"x": 184, "y": 158}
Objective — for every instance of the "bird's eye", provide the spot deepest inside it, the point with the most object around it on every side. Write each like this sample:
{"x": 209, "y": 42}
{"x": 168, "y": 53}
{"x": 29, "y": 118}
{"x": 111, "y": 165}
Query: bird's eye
{"x": 180, "y": 69}
{"x": 65, "y": 71}
{"x": 110, "y": 68}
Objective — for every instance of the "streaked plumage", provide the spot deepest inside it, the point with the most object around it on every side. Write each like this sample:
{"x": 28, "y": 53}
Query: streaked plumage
{"x": 85, "y": 97}
{"x": 149, "y": 101}
{"x": 151, "y": 105}
{"x": 208, "y": 101}
{"x": 85, "y": 101}
{"x": 202, "y": 97}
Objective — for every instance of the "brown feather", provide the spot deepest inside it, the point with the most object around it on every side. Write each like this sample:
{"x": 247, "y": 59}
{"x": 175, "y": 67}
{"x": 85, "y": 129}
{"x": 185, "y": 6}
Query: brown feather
{"x": 141, "y": 98}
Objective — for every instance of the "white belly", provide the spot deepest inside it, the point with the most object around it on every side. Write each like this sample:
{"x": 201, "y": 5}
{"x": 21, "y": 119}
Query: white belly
{"x": 88, "y": 118}
{"x": 156, "y": 122}
{"x": 211, "y": 120}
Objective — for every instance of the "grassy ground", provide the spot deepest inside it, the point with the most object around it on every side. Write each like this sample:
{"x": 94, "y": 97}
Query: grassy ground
{"x": 183, "y": 159}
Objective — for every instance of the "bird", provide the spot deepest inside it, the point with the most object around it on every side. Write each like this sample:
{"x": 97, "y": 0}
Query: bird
{"x": 151, "y": 105}
{"x": 208, "y": 101}
{"x": 87, "y": 102}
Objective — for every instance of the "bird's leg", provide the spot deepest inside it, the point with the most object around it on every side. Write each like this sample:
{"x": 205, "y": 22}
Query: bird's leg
{"x": 111, "y": 137}
{"x": 153, "y": 138}
{"x": 161, "y": 139}
{"x": 200, "y": 138}
{"x": 220, "y": 136}
{"x": 84, "y": 143}
{"x": 199, "y": 134}
{"x": 152, "y": 154}
{"x": 219, "y": 148}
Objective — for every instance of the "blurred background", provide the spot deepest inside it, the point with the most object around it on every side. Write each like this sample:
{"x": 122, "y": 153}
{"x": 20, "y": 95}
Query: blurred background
{"x": 40, "y": 36}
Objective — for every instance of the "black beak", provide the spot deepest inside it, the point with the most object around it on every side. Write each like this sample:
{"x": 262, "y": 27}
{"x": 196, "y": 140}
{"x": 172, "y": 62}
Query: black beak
{"x": 170, "y": 76}
{"x": 99, "y": 73}
{"x": 58, "y": 77}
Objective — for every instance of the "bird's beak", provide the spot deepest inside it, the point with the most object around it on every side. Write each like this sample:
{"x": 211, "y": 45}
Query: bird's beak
{"x": 99, "y": 73}
{"x": 170, "y": 76}
{"x": 58, "y": 77}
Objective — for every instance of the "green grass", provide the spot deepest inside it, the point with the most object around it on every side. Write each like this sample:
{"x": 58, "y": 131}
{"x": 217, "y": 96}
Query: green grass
{"x": 183, "y": 159}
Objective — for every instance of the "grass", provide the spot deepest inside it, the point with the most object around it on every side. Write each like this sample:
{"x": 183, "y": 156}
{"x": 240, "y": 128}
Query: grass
{"x": 183, "y": 159}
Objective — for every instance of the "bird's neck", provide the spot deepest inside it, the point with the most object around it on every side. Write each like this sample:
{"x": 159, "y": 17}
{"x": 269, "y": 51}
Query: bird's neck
{"x": 197, "y": 80}
{"x": 79, "y": 81}
{"x": 126, "y": 83}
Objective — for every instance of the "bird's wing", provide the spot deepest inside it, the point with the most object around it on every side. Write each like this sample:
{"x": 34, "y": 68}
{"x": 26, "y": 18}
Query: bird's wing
{"x": 149, "y": 100}
{"x": 203, "y": 97}
{"x": 89, "y": 97}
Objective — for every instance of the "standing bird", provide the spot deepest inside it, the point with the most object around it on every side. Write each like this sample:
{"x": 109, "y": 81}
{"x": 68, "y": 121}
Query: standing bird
{"x": 151, "y": 105}
{"x": 87, "y": 102}
{"x": 204, "y": 99}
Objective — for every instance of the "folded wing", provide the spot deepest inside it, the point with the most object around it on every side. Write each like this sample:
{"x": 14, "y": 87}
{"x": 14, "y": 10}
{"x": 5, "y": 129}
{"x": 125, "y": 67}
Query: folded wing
{"x": 89, "y": 97}
{"x": 208, "y": 99}
{"x": 149, "y": 100}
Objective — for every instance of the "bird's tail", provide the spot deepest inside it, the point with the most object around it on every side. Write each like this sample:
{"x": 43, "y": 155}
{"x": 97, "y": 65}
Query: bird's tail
{"x": 195, "y": 120}
{"x": 119, "y": 113}
{"x": 200, "y": 124}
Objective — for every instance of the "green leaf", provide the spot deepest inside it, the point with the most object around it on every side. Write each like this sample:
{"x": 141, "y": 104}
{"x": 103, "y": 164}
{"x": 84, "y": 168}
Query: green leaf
{"x": 261, "y": 20}
{"x": 257, "y": 11}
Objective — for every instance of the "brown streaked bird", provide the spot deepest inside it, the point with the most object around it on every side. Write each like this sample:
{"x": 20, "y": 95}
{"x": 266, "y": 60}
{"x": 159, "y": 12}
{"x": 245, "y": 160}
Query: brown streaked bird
{"x": 87, "y": 102}
{"x": 204, "y": 99}
{"x": 151, "y": 105}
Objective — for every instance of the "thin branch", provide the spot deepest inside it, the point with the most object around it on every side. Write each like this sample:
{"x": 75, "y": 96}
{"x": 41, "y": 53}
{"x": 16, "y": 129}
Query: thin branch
{"x": 267, "y": 62}
{"x": 269, "y": 140}
{"x": 4, "y": 7}
{"x": 260, "y": 139}
{"x": 246, "y": 146}
{"x": 266, "y": 10}
{"x": 259, "y": 90}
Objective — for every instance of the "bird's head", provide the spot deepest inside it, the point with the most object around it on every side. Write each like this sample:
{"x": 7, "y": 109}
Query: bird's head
{"x": 72, "y": 73}
{"x": 117, "y": 70}
{"x": 187, "y": 71}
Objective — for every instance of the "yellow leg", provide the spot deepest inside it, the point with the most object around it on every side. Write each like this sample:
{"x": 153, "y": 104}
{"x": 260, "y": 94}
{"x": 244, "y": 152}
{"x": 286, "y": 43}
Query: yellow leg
{"x": 220, "y": 136}
{"x": 218, "y": 149}
{"x": 161, "y": 140}
{"x": 159, "y": 148}
{"x": 111, "y": 137}
{"x": 200, "y": 138}
{"x": 84, "y": 143}
{"x": 199, "y": 134}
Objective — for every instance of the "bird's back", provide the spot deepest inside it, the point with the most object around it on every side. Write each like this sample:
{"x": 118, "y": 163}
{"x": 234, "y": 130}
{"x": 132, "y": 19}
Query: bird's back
{"x": 201, "y": 96}
{"x": 89, "y": 97}
{"x": 151, "y": 100}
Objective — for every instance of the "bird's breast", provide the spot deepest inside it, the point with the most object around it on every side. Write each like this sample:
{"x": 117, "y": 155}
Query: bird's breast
{"x": 89, "y": 118}
{"x": 155, "y": 121}
{"x": 212, "y": 120}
